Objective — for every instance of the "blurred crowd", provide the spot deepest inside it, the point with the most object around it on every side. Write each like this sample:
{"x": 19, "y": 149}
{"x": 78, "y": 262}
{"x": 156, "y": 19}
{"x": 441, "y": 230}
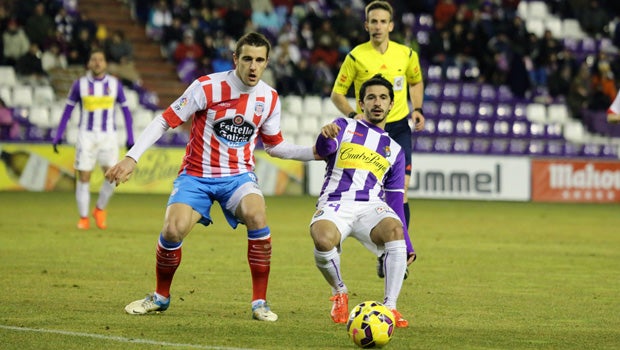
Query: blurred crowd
{"x": 487, "y": 39}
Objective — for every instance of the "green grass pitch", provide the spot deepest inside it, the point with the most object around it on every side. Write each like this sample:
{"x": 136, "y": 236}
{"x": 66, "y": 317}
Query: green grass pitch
{"x": 490, "y": 275}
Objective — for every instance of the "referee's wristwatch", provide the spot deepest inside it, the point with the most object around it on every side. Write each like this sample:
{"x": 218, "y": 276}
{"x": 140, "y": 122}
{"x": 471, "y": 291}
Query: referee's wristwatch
{"x": 419, "y": 109}
{"x": 352, "y": 114}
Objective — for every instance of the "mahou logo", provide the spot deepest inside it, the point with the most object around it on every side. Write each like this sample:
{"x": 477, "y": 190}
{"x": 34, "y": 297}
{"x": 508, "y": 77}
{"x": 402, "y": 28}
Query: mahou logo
{"x": 576, "y": 181}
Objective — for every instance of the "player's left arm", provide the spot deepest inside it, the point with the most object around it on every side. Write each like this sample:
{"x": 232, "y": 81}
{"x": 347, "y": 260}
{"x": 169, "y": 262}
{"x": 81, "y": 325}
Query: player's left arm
{"x": 122, "y": 100}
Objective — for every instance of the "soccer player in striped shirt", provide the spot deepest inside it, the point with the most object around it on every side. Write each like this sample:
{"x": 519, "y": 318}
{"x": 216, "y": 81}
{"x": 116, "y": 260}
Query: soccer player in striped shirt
{"x": 362, "y": 197}
{"x": 97, "y": 93}
{"x": 231, "y": 111}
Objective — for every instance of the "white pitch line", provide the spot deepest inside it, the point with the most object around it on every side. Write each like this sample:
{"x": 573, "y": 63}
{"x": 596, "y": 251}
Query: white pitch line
{"x": 118, "y": 339}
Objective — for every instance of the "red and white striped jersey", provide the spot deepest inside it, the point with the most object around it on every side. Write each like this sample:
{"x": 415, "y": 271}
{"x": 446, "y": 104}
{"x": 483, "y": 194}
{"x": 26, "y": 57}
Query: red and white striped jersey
{"x": 228, "y": 118}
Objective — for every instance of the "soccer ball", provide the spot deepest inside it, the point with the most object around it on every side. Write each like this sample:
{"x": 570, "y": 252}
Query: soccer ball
{"x": 370, "y": 325}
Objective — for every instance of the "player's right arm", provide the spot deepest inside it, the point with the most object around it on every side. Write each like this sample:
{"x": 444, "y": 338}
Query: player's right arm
{"x": 343, "y": 82}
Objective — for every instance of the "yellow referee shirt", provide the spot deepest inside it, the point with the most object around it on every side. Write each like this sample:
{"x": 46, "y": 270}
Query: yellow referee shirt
{"x": 399, "y": 65}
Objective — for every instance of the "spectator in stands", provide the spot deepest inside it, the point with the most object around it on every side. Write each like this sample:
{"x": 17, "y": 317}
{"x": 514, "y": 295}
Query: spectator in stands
{"x": 284, "y": 70}
{"x": 119, "y": 53}
{"x": 304, "y": 78}
{"x": 29, "y": 67}
{"x": 15, "y": 42}
{"x": 235, "y": 20}
{"x": 64, "y": 24}
{"x": 80, "y": 47}
{"x": 593, "y": 19}
{"x": 84, "y": 22}
{"x": 267, "y": 22}
{"x": 159, "y": 17}
{"x": 326, "y": 48}
{"x": 180, "y": 9}
{"x": 445, "y": 10}
{"x": 347, "y": 24}
{"x": 197, "y": 27}
{"x": 187, "y": 49}
{"x": 53, "y": 59}
{"x": 287, "y": 46}
{"x": 306, "y": 36}
{"x": 440, "y": 48}
{"x": 579, "y": 91}
{"x": 39, "y": 26}
{"x": 603, "y": 84}
{"x": 172, "y": 36}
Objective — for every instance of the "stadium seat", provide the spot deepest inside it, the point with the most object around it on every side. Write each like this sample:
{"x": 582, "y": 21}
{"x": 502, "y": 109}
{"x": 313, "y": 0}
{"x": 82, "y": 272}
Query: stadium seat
{"x": 470, "y": 92}
{"x": 480, "y": 145}
{"x": 488, "y": 93}
{"x": 486, "y": 110}
{"x": 536, "y": 112}
{"x": 463, "y": 127}
{"x": 535, "y": 26}
{"x": 43, "y": 95}
{"x": 504, "y": 111}
{"x": 40, "y": 117}
{"x": 9, "y": 78}
{"x": 6, "y": 94}
{"x": 451, "y": 91}
{"x": 555, "y": 148}
{"x": 292, "y": 104}
{"x": 448, "y": 110}
{"x": 522, "y": 9}
{"x": 433, "y": 91}
{"x": 482, "y": 128}
{"x": 518, "y": 147}
{"x": 554, "y": 25}
{"x": 434, "y": 73}
{"x": 453, "y": 73}
{"x": 520, "y": 129}
{"x": 313, "y": 105}
{"x": 574, "y": 131}
{"x": 504, "y": 94}
{"x": 537, "y": 10}
{"x": 592, "y": 150}
{"x": 572, "y": 149}
{"x": 289, "y": 123}
{"x": 519, "y": 110}
{"x": 502, "y": 128}
{"x": 554, "y": 131}
{"x": 499, "y": 146}
{"x": 557, "y": 112}
{"x": 462, "y": 145}
{"x": 588, "y": 46}
{"x": 430, "y": 127}
{"x": 445, "y": 127}
{"x": 467, "y": 110}
{"x": 537, "y": 130}
{"x": 22, "y": 96}
{"x": 329, "y": 109}
{"x": 431, "y": 109}
{"x": 133, "y": 99}
{"x": 443, "y": 145}
{"x": 423, "y": 144}
{"x": 572, "y": 29}
{"x": 536, "y": 148}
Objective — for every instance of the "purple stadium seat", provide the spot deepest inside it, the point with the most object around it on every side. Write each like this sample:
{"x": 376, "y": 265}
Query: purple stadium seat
{"x": 504, "y": 111}
{"x": 504, "y": 94}
{"x": 537, "y": 148}
{"x": 470, "y": 92}
{"x": 502, "y": 128}
{"x": 443, "y": 145}
{"x": 571, "y": 44}
{"x": 480, "y": 145}
{"x": 451, "y": 91}
{"x": 482, "y": 128}
{"x": 520, "y": 129}
{"x": 486, "y": 110}
{"x": 555, "y": 131}
{"x": 430, "y": 127}
{"x": 448, "y": 110}
{"x": 463, "y": 127}
{"x": 462, "y": 145}
{"x": 445, "y": 127}
{"x": 555, "y": 148}
{"x": 592, "y": 150}
{"x": 431, "y": 109}
{"x": 468, "y": 110}
{"x": 588, "y": 46}
{"x": 499, "y": 146}
{"x": 453, "y": 73}
{"x": 538, "y": 130}
{"x": 518, "y": 146}
{"x": 610, "y": 151}
{"x": 432, "y": 91}
{"x": 488, "y": 93}
{"x": 573, "y": 149}
{"x": 434, "y": 73}
{"x": 519, "y": 110}
{"x": 423, "y": 144}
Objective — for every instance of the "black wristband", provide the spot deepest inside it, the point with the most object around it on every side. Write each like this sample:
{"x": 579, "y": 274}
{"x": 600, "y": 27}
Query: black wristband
{"x": 419, "y": 109}
{"x": 352, "y": 114}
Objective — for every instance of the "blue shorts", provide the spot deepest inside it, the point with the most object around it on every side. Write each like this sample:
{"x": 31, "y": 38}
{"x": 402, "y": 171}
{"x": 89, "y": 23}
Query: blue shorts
{"x": 401, "y": 132}
{"x": 200, "y": 193}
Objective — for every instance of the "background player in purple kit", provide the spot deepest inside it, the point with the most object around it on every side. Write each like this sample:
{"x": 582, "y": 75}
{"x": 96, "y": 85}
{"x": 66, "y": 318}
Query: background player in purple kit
{"x": 362, "y": 197}
{"x": 97, "y": 93}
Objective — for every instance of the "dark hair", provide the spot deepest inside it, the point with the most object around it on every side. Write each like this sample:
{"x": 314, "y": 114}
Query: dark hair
{"x": 377, "y": 79}
{"x": 252, "y": 39}
{"x": 379, "y": 4}
{"x": 97, "y": 50}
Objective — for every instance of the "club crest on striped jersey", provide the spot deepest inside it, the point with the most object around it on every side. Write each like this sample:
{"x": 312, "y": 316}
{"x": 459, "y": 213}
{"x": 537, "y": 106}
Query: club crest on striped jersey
{"x": 259, "y": 108}
{"x": 234, "y": 131}
{"x": 319, "y": 213}
{"x": 387, "y": 151}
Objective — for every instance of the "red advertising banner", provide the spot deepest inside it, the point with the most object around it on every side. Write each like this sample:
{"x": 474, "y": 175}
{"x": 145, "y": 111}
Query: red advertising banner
{"x": 575, "y": 181}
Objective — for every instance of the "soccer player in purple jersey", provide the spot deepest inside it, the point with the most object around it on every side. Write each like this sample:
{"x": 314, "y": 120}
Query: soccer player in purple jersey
{"x": 362, "y": 197}
{"x": 97, "y": 93}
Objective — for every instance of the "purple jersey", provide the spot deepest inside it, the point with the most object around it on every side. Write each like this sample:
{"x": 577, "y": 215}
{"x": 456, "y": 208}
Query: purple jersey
{"x": 363, "y": 163}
